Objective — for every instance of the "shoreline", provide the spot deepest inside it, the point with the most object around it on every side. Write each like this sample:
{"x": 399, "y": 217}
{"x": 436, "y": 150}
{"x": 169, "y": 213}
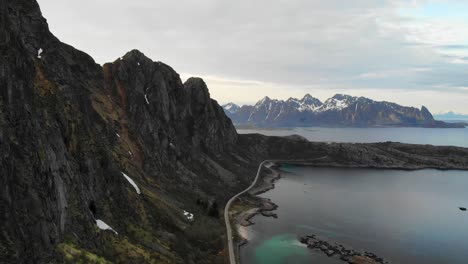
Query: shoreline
{"x": 265, "y": 207}
{"x": 448, "y": 125}
{"x": 266, "y": 182}
{"x": 374, "y": 167}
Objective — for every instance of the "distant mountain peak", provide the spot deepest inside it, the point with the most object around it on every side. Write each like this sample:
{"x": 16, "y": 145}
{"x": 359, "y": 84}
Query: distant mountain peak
{"x": 338, "y": 102}
{"x": 344, "y": 97}
{"x": 341, "y": 110}
{"x": 450, "y": 112}
{"x": 135, "y": 58}
{"x": 309, "y": 103}
{"x": 451, "y": 115}
{"x": 310, "y": 98}
{"x": 135, "y": 53}
{"x": 425, "y": 112}
{"x": 264, "y": 100}
{"x": 231, "y": 107}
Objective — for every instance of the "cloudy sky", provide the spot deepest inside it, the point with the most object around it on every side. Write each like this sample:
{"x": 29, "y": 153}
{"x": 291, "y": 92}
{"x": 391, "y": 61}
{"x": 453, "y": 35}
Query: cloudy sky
{"x": 413, "y": 52}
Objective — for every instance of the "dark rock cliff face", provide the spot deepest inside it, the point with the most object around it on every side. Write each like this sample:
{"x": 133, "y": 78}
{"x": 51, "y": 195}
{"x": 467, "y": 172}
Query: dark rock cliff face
{"x": 76, "y": 137}
{"x": 69, "y": 128}
{"x": 43, "y": 111}
{"x": 165, "y": 113}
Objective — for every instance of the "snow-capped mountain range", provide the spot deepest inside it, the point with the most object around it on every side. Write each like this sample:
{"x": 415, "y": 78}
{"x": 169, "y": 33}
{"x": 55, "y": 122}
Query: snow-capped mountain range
{"x": 451, "y": 116}
{"x": 339, "y": 110}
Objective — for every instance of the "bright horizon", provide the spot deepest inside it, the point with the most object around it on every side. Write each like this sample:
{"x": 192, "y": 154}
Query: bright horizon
{"x": 322, "y": 95}
{"x": 412, "y": 53}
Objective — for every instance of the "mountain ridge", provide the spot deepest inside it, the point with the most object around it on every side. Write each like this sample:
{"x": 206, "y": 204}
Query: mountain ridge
{"x": 451, "y": 115}
{"x": 339, "y": 110}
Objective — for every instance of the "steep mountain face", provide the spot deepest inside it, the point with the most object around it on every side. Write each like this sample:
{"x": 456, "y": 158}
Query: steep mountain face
{"x": 127, "y": 144}
{"x": 153, "y": 91}
{"x": 340, "y": 110}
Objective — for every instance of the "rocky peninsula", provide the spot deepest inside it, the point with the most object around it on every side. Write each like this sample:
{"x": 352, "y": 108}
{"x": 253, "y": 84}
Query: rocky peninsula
{"x": 387, "y": 155}
{"x": 336, "y": 250}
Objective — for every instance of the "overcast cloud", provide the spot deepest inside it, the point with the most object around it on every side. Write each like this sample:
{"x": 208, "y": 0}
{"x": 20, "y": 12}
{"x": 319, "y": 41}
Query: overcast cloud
{"x": 411, "y": 52}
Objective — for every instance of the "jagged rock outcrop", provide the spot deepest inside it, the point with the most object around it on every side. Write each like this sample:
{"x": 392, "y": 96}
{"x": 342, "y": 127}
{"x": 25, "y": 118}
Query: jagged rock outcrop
{"x": 340, "y": 110}
{"x": 204, "y": 109}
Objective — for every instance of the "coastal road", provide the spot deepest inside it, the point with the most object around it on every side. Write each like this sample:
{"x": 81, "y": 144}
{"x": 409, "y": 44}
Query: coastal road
{"x": 232, "y": 255}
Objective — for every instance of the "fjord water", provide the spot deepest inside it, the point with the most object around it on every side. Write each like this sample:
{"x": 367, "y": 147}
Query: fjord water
{"x": 412, "y": 135}
{"x": 402, "y": 216}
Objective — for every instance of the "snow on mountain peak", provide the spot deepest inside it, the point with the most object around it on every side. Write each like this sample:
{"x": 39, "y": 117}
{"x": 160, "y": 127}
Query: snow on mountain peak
{"x": 231, "y": 107}
{"x": 310, "y": 103}
{"x": 338, "y": 102}
{"x": 309, "y": 97}
{"x": 339, "y": 109}
{"x": 265, "y": 99}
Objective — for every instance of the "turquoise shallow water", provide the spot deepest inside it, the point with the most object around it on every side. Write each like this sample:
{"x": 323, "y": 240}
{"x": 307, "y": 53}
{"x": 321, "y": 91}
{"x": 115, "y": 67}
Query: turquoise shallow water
{"x": 402, "y": 216}
{"x": 284, "y": 246}
{"x": 413, "y": 135}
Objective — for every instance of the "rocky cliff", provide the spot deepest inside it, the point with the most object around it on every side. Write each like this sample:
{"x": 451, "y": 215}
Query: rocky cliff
{"x": 339, "y": 110}
{"x": 76, "y": 137}
{"x": 124, "y": 163}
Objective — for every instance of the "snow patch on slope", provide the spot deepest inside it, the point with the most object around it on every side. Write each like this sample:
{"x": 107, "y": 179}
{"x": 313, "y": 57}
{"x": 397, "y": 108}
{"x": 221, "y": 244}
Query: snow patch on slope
{"x": 39, "y": 52}
{"x": 307, "y": 107}
{"x": 231, "y": 107}
{"x": 336, "y": 104}
{"x": 188, "y": 215}
{"x": 137, "y": 189}
{"x": 103, "y": 226}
